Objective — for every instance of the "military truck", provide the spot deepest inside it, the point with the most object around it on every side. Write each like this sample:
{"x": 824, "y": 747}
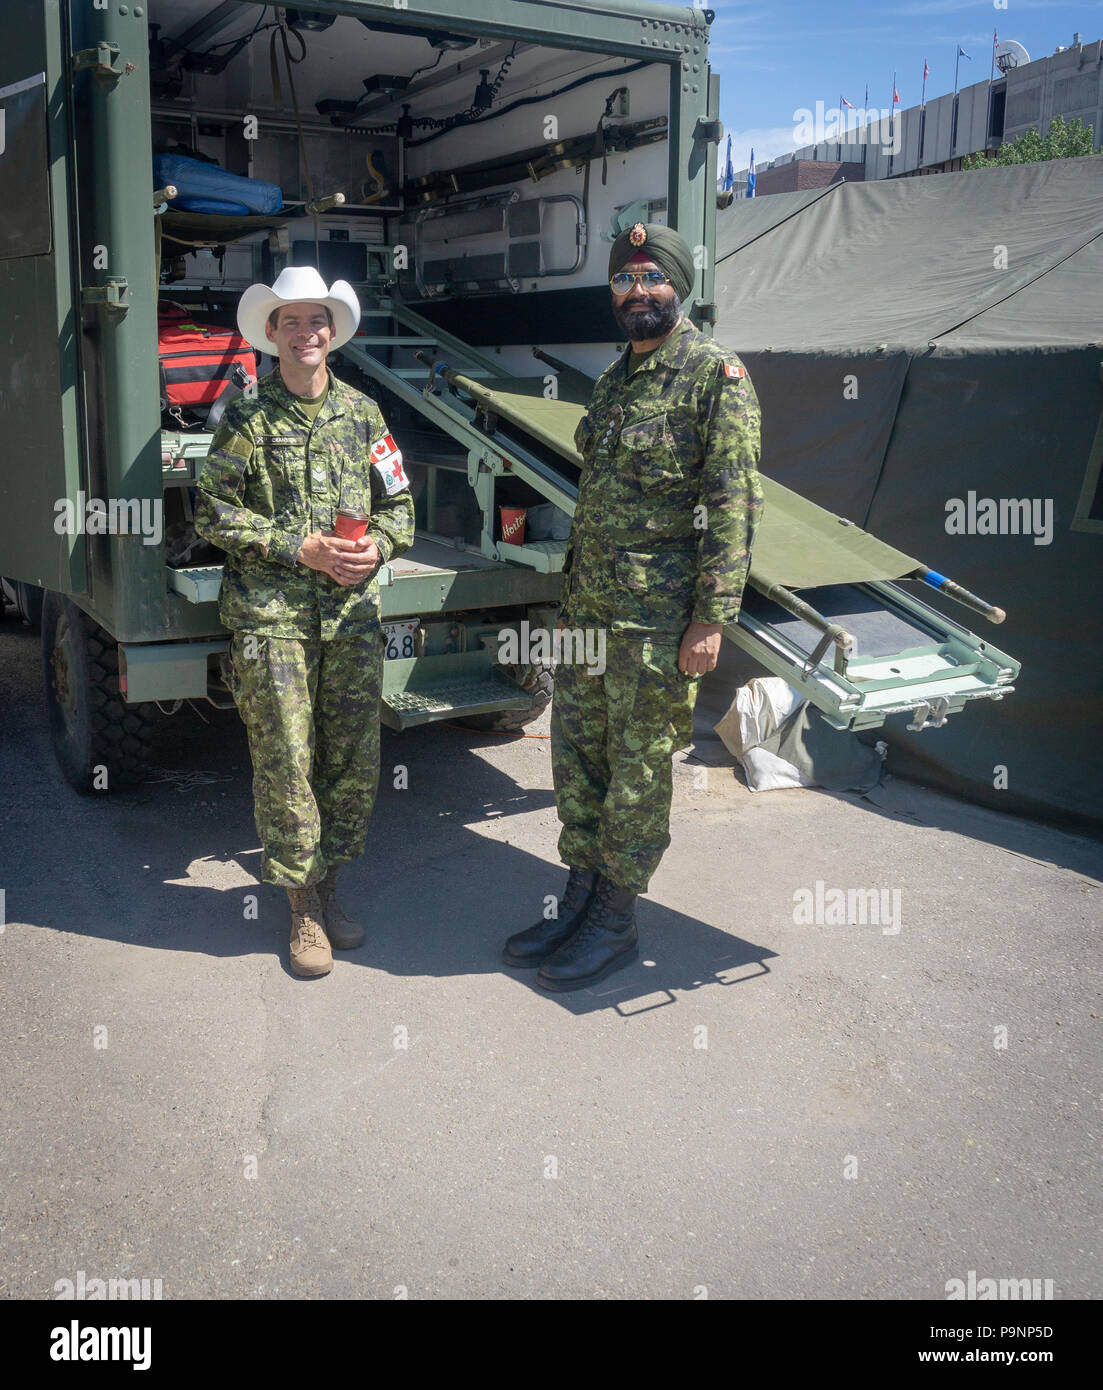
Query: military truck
{"x": 466, "y": 172}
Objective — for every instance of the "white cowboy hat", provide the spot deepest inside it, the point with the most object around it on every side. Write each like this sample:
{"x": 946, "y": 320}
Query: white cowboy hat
{"x": 297, "y": 284}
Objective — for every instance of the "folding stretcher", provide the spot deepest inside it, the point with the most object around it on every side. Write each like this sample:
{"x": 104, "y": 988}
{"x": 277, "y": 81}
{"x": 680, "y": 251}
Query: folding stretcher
{"x": 824, "y": 608}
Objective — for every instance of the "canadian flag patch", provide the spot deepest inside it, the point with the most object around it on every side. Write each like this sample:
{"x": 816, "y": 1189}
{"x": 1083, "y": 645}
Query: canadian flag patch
{"x": 733, "y": 369}
{"x": 386, "y": 458}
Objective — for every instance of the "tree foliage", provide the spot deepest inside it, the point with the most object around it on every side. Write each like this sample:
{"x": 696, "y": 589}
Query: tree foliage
{"x": 1063, "y": 140}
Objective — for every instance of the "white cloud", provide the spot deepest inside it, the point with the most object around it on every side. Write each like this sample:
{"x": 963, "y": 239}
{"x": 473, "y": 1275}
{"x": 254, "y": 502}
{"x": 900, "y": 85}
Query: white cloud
{"x": 767, "y": 142}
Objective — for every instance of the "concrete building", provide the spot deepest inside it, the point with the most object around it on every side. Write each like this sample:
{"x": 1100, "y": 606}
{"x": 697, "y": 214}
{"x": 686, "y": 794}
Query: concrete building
{"x": 936, "y": 138}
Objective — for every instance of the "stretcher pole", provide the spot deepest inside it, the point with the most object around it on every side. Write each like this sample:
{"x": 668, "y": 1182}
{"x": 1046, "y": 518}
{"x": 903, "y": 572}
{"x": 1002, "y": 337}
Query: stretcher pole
{"x": 579, "y": 380}
{"x": 947, "y": 586}
{"x": 483, "y": 398}
{"x": 845, "y": 643}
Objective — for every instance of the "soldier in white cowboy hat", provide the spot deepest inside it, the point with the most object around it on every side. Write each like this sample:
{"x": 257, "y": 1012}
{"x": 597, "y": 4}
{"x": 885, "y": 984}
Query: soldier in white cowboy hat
{"x": 302, "y": 602}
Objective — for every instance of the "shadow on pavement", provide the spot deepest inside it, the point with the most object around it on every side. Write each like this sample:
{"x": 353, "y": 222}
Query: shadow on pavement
{"x": 173, "y": 864}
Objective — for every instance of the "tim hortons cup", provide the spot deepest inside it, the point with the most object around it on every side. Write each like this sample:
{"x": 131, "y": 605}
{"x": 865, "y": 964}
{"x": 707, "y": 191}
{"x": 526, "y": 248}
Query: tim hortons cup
{"x": 513, "y": 525}
{"x": 351, "y": 523}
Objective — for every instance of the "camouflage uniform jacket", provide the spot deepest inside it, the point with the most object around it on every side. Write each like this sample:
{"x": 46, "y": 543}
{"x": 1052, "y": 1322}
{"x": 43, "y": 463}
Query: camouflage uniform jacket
{"x": 271, "y": 479}
{"x": 669, "y": 494}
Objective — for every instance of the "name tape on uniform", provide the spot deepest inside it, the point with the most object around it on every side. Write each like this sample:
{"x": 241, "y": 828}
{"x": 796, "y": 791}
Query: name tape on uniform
{"x": 386, "y": 457}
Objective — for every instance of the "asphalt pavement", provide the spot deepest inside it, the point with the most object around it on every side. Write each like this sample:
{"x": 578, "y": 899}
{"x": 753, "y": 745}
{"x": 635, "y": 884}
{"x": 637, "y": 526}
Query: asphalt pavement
{"x": 761, "y": 1107}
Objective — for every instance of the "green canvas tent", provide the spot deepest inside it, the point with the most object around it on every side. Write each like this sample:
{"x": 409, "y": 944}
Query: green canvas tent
{"x": 928, "y": 356}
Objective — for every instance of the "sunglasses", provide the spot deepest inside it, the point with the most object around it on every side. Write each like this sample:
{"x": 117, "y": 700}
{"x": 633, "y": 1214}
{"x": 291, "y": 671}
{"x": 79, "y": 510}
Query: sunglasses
{"x": 623, "y": 281}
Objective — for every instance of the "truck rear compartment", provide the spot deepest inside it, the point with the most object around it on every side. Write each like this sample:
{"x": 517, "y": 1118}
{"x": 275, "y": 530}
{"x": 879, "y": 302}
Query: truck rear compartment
{"x": 464, "y": 225}
{"x": 469, "y": 226}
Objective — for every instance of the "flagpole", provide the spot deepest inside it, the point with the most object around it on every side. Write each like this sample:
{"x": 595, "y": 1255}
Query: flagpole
{"x": 923, "y": 98}
{"x": 953, "y": 124}
{"x": 892, "y": 114}
{"x": 865, "y": 114}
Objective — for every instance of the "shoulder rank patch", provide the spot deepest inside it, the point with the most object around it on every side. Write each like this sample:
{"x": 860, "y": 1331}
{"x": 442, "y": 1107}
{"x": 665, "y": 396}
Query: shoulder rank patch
{"x": 237, "y": 445}
{"x": 386, "y": 459}
{"x": 733, "y": 369}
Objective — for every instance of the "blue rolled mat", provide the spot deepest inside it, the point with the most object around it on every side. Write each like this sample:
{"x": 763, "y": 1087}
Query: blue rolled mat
{"x": 198, "y": 183}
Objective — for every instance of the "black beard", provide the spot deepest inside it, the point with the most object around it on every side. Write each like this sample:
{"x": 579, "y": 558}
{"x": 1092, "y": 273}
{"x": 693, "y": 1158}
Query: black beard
{"x": 654, "y": 322}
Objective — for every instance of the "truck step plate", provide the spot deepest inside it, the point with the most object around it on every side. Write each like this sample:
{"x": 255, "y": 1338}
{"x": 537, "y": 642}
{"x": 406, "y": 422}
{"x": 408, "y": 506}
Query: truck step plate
{"x": 464, "y": 696}
{"x": 197, "y": 583}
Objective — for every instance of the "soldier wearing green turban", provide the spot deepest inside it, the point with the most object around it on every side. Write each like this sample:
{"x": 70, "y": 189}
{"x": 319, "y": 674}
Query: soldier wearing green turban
{"x": 668, "y": 502}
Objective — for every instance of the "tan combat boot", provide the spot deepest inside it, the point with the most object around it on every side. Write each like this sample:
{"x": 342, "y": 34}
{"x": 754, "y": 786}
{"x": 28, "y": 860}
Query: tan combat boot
{"x": 343, "y": 932}
{"x": 310, "y": 953}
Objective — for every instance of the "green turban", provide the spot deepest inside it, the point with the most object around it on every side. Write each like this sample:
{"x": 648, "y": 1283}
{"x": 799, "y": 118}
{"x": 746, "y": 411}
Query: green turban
{"x": 661, "y": 244}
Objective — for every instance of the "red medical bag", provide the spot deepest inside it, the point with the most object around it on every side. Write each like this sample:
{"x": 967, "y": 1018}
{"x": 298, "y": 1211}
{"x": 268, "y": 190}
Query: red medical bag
{"x": 198, "y": 360}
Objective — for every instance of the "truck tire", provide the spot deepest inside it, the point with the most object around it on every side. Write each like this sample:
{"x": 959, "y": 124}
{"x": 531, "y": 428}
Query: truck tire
{"x": 29, "y": 599}
{"x": 101, "y": 743}
{"x": 25, "y": 601}
{"x": 512, "y": 721}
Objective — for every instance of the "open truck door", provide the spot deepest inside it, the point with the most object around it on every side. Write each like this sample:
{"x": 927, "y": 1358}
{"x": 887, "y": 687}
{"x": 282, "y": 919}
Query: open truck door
{"x": 39, "y": 398}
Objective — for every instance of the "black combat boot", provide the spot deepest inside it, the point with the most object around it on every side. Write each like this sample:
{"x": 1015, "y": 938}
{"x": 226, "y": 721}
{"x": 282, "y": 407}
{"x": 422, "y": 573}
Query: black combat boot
{"x": 605, "y": 941}
{"x": 528, "y": 948}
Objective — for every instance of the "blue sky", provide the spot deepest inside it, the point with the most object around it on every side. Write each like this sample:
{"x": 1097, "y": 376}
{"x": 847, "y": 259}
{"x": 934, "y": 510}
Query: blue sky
{"x": 775, "y": 59}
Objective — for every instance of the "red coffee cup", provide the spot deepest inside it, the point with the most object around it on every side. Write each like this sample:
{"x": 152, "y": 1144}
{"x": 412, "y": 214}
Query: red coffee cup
{"x": 351, "y": 523}
{"x": 513, "y": 525}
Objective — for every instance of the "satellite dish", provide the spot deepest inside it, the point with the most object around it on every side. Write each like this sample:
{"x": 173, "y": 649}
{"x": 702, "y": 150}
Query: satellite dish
{"x": 1011, "y": 55}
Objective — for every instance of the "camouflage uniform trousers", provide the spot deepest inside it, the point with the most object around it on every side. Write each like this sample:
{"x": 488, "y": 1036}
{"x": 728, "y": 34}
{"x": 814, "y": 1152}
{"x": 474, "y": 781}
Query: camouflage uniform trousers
{"x": 612, "y": 740}
{"x": 311, "y": 709}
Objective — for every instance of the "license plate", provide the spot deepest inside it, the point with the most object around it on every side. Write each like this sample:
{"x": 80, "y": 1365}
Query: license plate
{"x": 401, "y": 638}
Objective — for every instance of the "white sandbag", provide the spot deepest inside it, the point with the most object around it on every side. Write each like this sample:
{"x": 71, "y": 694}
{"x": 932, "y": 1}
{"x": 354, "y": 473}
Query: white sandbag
{"x": 766, "y": 772}
{"x": 759, "y": 709}
{"x": 783, "y": 741}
